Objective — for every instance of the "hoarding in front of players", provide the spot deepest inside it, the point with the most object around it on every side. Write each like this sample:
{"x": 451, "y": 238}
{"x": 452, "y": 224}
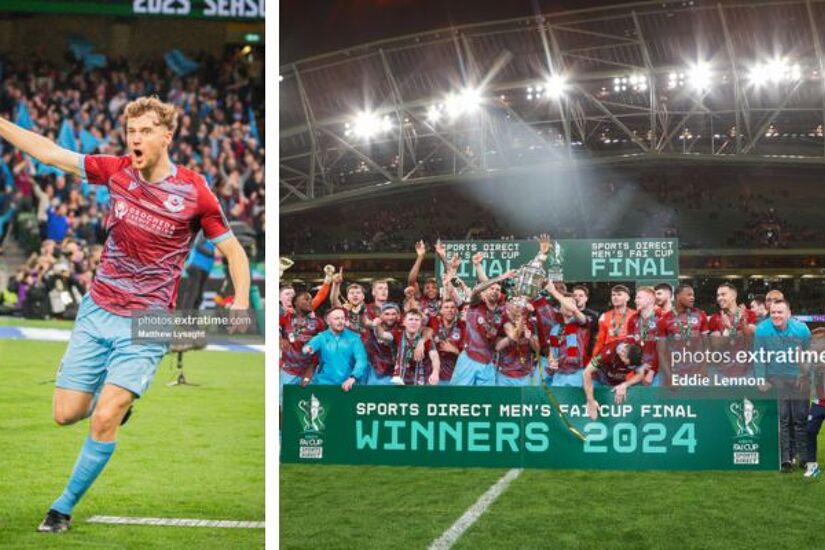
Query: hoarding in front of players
{"x": 527, "y": 427}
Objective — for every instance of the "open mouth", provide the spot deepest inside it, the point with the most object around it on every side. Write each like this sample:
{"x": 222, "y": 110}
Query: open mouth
{"x": 138, "y": 153}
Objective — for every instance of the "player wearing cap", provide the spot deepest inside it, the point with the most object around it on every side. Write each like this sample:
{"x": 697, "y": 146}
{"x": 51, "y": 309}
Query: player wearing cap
{"x": 613, "y": 323}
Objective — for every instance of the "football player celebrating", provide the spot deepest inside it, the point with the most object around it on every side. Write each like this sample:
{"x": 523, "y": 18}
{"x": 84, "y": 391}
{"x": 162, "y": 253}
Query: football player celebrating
{"x": 297, "y": 327}
{"x": 449, "y": 335}
{"x": 380, "y": 295}
{"x": 429, "y": 301}
{"x": 381, "y": 354}
{"x": 686, "y": 324}
{"x": 645, "y": 329}
{"x": 517, "y": 351}
{"x": 408, "y": 370}
{"x": 157, "y": 209}
{"x": 613, "y": 323}
{"x": 732, "y": 319}
{"x": 731, "y": 328}
{"x": 619, "y": 366}
{"x": 484, "y": 321}
{"x": 568, "y": 342}
{"x": 664, "y": 298}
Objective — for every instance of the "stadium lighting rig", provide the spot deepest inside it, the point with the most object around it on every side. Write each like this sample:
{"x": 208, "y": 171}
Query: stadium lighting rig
{"x": 464, "y": 102}
{"x": 774, "y": 71}
{"x": 554, "y": 87}
{"x": 636, "y": 82}
{"x": 368, "y": 125}
{"x": 699, "y": 77}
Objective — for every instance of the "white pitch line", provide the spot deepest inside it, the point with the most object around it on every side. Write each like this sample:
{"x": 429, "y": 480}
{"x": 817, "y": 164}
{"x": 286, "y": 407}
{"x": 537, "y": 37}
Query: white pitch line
{"x": 451, "y": 535}
{"x": 177, "y": 522}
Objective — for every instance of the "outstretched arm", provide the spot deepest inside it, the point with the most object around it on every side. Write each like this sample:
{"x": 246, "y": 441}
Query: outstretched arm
{"x": 481, "y": 287}
{"x": 43, "y": 149}
{"x": 420, "y": 250}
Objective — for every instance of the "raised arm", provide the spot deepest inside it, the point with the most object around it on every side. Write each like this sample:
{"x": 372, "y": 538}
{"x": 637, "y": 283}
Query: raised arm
{"x": 41, "y": 148}
{"x": 481, "y": 275}
{"x": 566, "y": 301}
{"x": 335, "y": 293}
{"x": 420, "y": 251}
{"x": 481, "y": 287}
{"x": 323, "y": 292}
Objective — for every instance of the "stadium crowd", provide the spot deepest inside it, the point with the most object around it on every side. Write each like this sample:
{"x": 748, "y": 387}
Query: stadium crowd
{"x": 59, "y": 221}
{"x": 493, "y": 334}
{"x": 701, "y": 213}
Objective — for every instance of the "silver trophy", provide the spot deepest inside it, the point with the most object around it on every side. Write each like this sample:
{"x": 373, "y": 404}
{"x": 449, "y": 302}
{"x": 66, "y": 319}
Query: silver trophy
{"x": 530, "y": 279}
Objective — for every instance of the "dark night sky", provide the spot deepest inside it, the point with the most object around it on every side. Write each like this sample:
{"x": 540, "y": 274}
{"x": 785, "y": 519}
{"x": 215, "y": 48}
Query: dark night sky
{"x": 311, "y": 27}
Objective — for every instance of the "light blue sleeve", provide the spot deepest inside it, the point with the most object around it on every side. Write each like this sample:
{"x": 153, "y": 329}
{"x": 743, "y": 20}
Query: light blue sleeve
{"x": 317, "y": 342}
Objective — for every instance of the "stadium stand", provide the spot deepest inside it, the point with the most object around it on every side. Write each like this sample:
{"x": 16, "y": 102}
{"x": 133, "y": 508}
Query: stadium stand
{"x": 52, "y": 226}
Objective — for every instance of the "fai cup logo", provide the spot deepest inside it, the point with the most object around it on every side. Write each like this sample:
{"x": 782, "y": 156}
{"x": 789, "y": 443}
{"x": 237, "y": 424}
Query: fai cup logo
{"x": 313, "y": 414}
{"x": 746, "y": 416}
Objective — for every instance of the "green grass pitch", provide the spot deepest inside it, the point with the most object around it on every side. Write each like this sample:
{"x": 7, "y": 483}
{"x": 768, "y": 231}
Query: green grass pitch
{"x": 187, "y": 452}
{"x": 403, "y": 507}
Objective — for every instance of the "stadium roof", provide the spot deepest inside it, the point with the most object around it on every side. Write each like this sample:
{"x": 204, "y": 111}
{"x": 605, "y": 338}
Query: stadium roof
{"x": 644, "y": 81}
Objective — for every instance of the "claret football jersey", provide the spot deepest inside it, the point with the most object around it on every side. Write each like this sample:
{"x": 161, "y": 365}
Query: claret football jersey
{"x": 150, "y": 231}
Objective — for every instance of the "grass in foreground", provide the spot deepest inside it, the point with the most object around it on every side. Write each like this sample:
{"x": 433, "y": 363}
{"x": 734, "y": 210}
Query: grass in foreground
{"x": 187, "y": 452}
{"x": 387, "y": 507}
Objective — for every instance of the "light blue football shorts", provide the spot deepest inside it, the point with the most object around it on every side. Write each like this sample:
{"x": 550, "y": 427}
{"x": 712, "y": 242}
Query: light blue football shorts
{"x": 101, "y": 351}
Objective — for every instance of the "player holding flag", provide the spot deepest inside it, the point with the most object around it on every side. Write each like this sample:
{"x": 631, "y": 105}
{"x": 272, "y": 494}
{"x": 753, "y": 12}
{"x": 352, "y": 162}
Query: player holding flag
{"x": 157, "y": 210}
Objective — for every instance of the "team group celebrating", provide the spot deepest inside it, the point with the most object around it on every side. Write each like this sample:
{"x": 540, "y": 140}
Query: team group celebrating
{"x": 474, "y": 336}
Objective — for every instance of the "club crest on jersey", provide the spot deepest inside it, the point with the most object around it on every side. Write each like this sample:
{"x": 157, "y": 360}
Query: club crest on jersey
{"x": 120, "y": 209}
{"x": 173, "y": 203}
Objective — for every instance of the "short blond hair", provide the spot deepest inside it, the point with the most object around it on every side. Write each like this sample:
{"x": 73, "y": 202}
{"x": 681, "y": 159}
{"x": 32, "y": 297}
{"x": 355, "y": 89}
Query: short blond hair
{"x": 167, "y": 113}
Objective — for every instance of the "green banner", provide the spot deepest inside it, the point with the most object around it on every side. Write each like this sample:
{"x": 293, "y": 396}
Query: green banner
{"x": 579, "y": 260}
{"x": 518, "y": 427}
{"x": 202, "y": 9}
